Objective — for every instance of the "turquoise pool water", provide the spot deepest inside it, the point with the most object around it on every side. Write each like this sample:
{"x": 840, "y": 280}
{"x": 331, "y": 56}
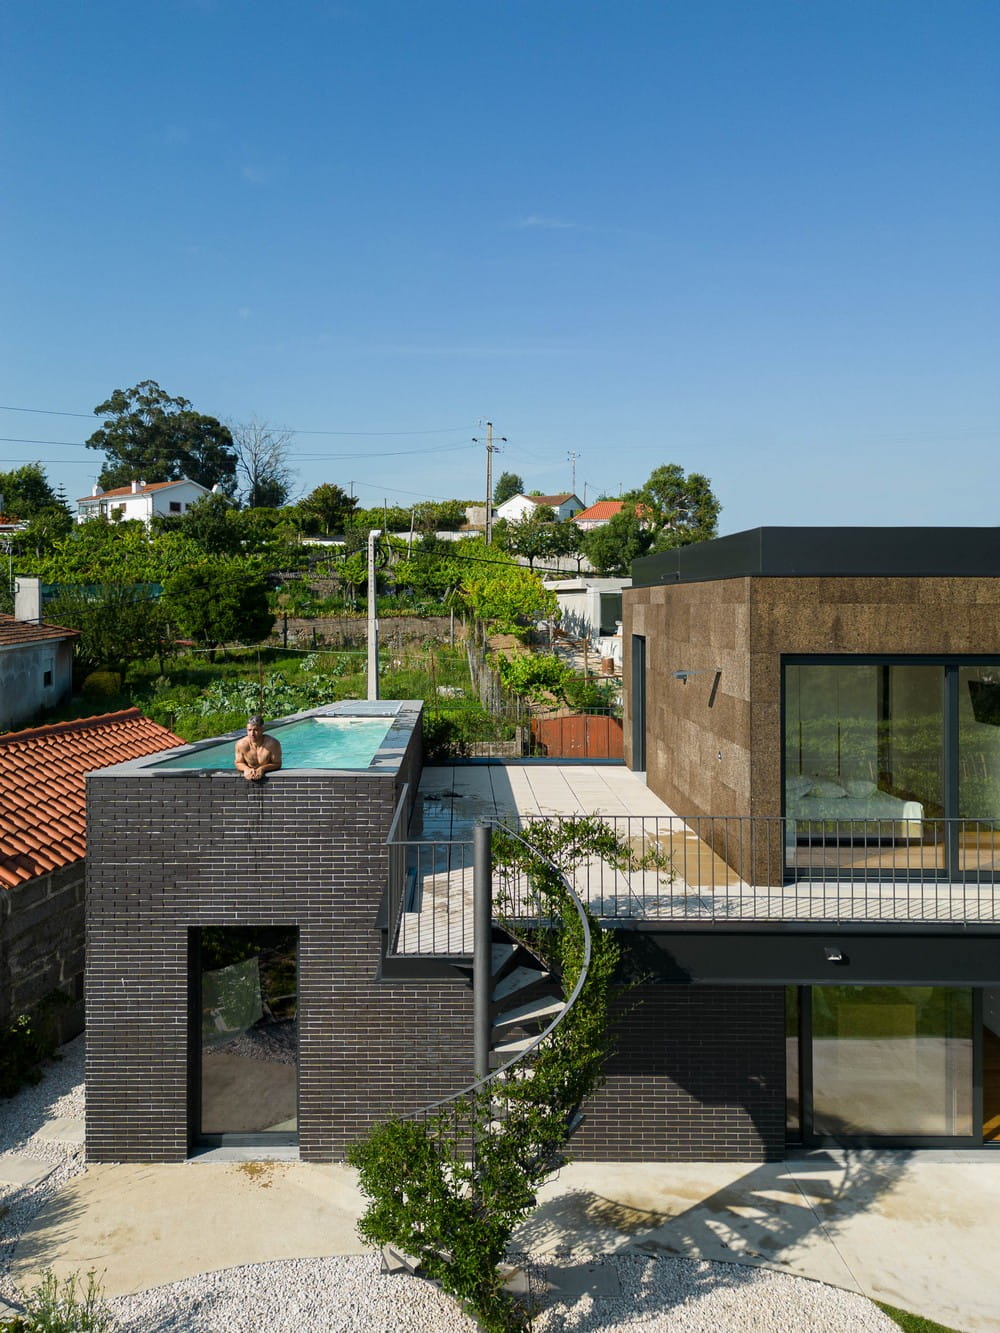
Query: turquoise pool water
{"x": 312, "y": 742}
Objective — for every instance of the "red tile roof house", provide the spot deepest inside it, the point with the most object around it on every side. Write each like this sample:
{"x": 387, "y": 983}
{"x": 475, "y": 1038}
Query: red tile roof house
{"x": 141, "y": 500}
{"x": 599, "y": 513}
{"x": 36, "y": 668}
{"x": 43, "y": 774}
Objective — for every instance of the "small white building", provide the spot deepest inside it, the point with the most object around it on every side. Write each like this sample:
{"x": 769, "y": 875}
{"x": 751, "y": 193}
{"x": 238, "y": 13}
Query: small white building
{"x": 591, "y": 607}
{"x": 36, "y": 669}
{"x": 168, "y": 499}
{"x": 520, "y": 506}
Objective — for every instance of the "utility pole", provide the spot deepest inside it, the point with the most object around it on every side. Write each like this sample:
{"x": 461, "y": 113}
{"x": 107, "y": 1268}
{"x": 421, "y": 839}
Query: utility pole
{"x": 491, "y": 449}
{"x": 572, "y": 458}
{"x": 373, "y": 535}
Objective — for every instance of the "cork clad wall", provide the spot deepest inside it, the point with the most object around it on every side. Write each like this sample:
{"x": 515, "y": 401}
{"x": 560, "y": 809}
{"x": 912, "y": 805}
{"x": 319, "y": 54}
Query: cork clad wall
{"x": 742, "y": 628}
{"x": 698, "y": 729}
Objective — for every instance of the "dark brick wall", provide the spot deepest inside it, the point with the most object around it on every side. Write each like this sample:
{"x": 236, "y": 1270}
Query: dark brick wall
{"x": 698, "y": 1075}
{"x": 41, "y": 947}
{"x": 170, "y": 853}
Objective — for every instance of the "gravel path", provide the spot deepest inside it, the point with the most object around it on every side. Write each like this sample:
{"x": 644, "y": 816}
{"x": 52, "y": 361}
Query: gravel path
{"x": 345, "y": 1294}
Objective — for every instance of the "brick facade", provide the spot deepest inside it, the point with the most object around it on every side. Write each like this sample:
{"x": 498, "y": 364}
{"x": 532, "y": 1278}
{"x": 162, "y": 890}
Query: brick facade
{"x": 698, "y": 1075}
{"x": 169, "y": 853}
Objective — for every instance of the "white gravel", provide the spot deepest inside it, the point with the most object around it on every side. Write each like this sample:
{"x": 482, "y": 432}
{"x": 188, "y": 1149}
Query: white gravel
{"x": 625, "y": 1291}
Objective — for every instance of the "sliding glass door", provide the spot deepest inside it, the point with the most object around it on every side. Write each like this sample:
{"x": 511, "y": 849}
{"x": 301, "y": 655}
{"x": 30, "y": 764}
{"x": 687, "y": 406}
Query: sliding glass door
{"x": 915, "y": 1066}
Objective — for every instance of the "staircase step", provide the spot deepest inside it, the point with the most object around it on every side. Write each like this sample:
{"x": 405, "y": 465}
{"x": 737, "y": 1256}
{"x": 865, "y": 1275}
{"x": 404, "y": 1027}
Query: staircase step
{"x": 519, "y": 979}
{"x": 398, "y": 1261}
{"x": 507, "y": 1049}
{"x": 535, "y": 1011}
{"x": 502, "y": 954}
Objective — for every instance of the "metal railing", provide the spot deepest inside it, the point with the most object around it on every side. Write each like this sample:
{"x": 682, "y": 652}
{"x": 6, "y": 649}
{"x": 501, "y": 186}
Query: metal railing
{"x": 727, "y": 868}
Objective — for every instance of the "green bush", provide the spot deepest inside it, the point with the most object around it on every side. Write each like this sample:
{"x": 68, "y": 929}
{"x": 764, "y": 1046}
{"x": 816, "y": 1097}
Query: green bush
{"x": 102, "y": 684}
{"x": 24, "y": 1047}
{"x": 532, "y": 673}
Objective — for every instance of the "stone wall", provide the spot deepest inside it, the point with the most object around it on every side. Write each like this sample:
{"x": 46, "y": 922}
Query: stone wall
{"x": 42, "y": 947}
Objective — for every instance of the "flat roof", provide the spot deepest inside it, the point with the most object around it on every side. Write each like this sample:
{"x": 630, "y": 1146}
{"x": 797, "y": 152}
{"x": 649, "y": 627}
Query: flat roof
{"x": 828, "y": 553}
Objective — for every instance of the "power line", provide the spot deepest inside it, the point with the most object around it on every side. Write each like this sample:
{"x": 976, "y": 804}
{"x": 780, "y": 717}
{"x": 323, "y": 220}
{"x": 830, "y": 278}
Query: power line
{"x": 287, "y": 430}
{"x": 367, "y": 453}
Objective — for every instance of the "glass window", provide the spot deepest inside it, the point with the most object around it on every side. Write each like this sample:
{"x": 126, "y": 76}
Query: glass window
{"x": 892, "y": 1061}
{"x": 249, "y": 1030}
{"x": 864, "y": 765}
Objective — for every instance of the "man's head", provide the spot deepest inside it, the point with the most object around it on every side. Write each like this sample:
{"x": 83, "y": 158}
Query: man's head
{"x": 255, "y": 726}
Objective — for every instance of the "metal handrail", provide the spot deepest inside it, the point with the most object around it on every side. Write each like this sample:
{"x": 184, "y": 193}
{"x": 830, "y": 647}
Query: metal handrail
{"x": 519, "y": 1060}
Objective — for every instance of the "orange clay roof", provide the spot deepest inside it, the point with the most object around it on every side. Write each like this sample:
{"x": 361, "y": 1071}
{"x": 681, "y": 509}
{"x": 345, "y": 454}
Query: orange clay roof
{"x": 43, "y": 786}
{"x": 605, "y": 509}
{"x": 127, "y": 490}
{"x": 23, "y": 631}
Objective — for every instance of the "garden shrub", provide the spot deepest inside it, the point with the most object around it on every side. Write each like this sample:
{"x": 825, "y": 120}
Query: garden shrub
{"x": 68, "y": 1306}
{"x": 25, "y": 1045}
{"x": 102, "y": 684}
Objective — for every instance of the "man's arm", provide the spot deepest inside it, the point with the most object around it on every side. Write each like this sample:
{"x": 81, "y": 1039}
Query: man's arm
{"x": 242, "y": 763}
{"x": 273, "y": 756}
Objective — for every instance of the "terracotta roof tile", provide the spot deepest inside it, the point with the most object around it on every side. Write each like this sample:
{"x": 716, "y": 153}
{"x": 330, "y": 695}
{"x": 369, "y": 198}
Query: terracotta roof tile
{"x": 43, "y": 774}
{"x": 23, "y": 631}
{"x": 127, "y": 490}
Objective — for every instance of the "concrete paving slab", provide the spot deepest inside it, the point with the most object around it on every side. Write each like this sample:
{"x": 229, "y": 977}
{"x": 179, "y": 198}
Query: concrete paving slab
{"x": 142, "y": 1226}
{"x": 63, "y": 1129}
{"x": 18, "y": 1169}
{"x": 919, "y": 1235}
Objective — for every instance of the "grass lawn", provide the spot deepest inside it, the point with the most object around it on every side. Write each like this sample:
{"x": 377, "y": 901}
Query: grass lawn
{"x": 913, "y": 1323}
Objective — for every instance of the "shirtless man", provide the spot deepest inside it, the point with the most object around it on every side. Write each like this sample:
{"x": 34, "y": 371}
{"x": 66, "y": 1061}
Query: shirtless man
{"x": 257, "y": 754}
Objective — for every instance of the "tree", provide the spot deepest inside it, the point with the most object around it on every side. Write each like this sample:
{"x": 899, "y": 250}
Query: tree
{"x": 508, "y": 484}
{"x": 439, "y": 516}
{"x": 262, "y": 468}
{"x": 219, "y": 601}
{"x": 613, "y": 546}
{"x": 119, "y": 624}
{"x": 679, "y": 508}
{"x": 25, "y": 494}
{"x": 331, "y": 507}
{"x": 213, "y": 523}
{"x": 499, "y": 592}
{"x": 150, "y": 436}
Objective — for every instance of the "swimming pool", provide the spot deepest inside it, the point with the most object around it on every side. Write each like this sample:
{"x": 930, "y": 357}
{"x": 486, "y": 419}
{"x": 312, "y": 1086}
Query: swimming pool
{"x": 310, "y": 742}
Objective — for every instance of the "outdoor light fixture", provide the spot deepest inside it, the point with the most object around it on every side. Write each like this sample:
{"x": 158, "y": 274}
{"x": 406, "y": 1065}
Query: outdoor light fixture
{"x": 682, "y": 676}
{"x": 832, "y": 955}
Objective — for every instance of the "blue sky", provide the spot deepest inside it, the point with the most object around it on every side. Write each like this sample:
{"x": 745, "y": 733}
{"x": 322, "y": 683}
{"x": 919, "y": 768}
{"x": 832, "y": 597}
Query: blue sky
{"x": 757, "y": 239}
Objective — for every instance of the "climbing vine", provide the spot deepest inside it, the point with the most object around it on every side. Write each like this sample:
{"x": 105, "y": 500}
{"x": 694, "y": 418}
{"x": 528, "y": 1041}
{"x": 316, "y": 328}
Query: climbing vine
{"x": 450, "y": 1189}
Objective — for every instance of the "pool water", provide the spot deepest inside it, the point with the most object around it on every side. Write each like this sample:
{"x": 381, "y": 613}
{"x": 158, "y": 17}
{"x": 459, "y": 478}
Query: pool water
{"x": 312, "y": 742}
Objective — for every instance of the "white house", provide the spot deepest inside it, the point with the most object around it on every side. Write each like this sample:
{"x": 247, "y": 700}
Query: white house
{"x": 169, "y": 499}
{"x": 520, "y": 506}
{"x": 36, "y": 669}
